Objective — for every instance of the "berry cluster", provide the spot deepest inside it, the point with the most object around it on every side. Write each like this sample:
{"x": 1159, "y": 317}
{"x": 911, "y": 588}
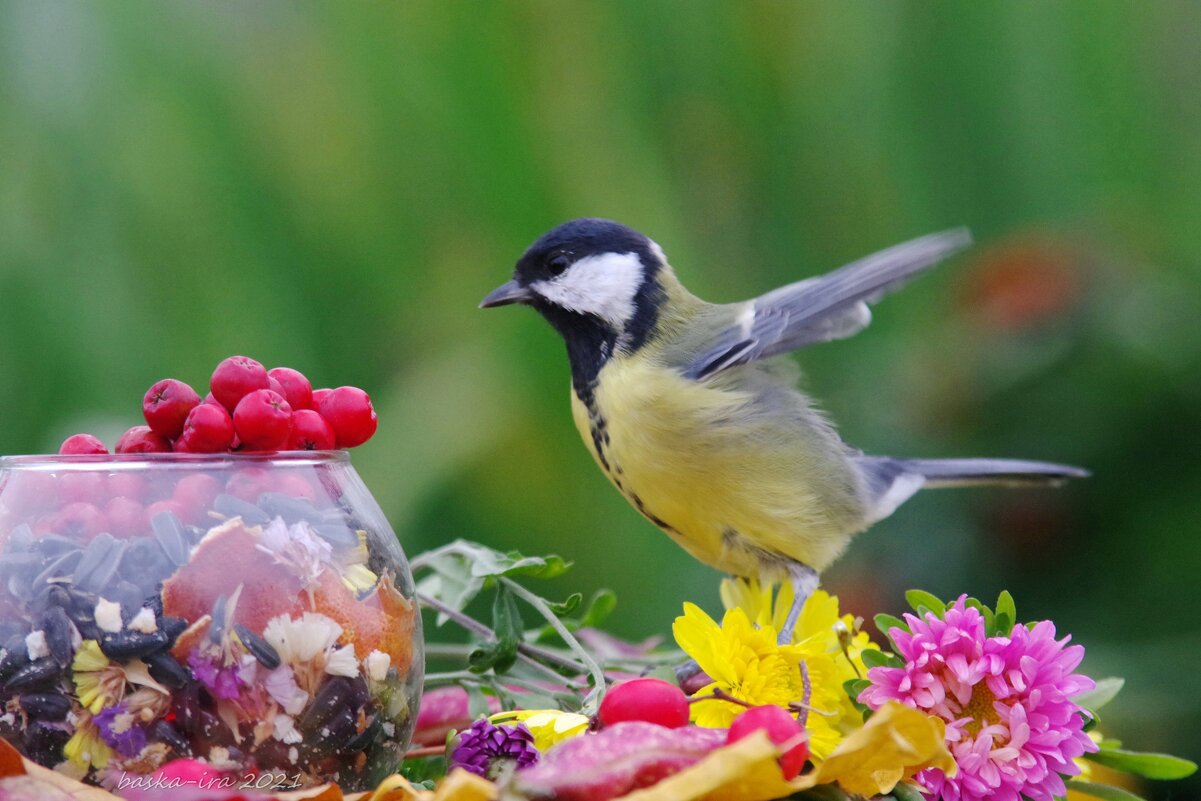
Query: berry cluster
{"x": 660, "y": 702}
{"x": 249, "y": 408}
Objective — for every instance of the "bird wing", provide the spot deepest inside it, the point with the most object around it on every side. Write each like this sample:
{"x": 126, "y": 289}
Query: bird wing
{"x": 823, "y": 308}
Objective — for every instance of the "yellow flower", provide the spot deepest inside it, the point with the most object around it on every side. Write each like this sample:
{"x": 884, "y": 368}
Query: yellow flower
{"x": 745, "y": 662}
{"x": 549, "y": 726}
{"x": 85, "y": 748}
{"x": 100, "y": 683}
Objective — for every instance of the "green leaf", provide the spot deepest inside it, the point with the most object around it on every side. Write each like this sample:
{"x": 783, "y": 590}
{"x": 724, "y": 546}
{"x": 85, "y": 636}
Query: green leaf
{"x": 873, "y": 658}
{"x": 922, "y": 601}
{"x": 482, "y": 658}
{"x": 886, "y": 623}
{"x": 506, "y": 622}
{"x": 853, "y": 687}
{"x": 823, "y": 792}
{"x": 599, "y": 608}
{"x": 1105, "y": 692}
{"x": 1152, "y": 766}
{"x": 568, "y": 606}
{"x": 907, "y": 792}
{"x": 1102, "y": 791}
{"x": 1006, "y": 606}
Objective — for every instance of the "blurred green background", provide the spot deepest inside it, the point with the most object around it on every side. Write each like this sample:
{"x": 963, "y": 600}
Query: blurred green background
{"x": 335, "y": 186}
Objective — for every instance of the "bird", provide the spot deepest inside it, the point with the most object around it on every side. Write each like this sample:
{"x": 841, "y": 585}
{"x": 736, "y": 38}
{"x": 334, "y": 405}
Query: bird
{"x": 692, "y": 409}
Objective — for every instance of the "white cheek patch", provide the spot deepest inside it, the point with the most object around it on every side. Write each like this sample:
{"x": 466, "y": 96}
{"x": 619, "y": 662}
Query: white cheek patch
{"x": 603, "y": 286}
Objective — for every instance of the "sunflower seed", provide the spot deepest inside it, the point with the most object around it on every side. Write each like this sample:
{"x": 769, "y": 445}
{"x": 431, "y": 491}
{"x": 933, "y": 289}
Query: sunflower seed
{"x": 144, "y": 556}
{"x": 51, "y": 545}
{"x": 127, "y": 645}
{"x": 336, "y": 732}
{"x": 103, "y": 574}
{"x": 217, "y": 627}
{"x": 60, "y": 567}
{"x": 166, "y": 669}
{"x": 20, "y": 561}
{"x": 232, "y": 506}
{"x": 20, "y": 538}
{"x": 14, "y": 656}
{"x": 33, "y": 674}
{"x": 289, "y": 508}
{"x": 44, "y": 742}
{"x": 166, "y": 733}
{"x": 172, "y": 627}
{"x": 363, "y": 740}
{"x": 331, "y": 697}
{"x": 129, "y": 596}
{"x": 93, "y": 555}
{"x": 262, "y": 650}
{"x": 59, "y": 631}
{"x": 46, "y": 706}
{"x": 337, "y": 535}
{"x": 172, "y": 536}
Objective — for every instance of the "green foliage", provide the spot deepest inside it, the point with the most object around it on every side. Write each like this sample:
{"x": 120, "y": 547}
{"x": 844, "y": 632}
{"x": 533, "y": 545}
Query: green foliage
{"x": 1152, "y": 766}
{"x": 923, "y": 603}
{"x": 1103, "y": 791}
{"x": 1105, "y": 691}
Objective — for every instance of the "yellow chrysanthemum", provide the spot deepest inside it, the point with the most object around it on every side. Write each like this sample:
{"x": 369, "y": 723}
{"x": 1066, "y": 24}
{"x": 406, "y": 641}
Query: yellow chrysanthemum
{"x": 86, "y": 749}
{"x": 549, "y": 726}
{"x": 96, "y": 684}
{"x": 746, "y": 662}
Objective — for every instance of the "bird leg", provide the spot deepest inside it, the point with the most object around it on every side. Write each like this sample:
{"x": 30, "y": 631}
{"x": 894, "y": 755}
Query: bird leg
{"x": 804, "y": 580}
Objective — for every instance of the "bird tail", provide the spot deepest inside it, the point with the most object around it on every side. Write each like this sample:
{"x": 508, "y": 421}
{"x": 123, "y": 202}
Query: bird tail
{"x": 891, "y": 482}
{"x": 1004, "y": 472}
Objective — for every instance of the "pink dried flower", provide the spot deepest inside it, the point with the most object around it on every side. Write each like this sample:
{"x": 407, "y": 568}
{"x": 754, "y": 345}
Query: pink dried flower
{"x": 1011, "y": 724}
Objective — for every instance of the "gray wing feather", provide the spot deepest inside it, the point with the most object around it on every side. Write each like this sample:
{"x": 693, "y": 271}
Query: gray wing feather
{"x": 821, "y": 309}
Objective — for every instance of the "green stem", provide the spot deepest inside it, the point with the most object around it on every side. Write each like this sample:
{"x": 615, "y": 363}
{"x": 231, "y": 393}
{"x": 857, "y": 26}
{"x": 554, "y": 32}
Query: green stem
{"x": 457, "y": 676}
{"x": 594, "y": 669}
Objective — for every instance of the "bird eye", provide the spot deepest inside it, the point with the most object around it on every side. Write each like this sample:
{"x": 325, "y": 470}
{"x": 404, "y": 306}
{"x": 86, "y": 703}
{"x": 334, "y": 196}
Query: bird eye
{"x": 558, "y": 264}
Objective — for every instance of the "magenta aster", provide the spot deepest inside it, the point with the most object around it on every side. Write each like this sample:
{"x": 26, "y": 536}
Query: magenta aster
{"x": 1011, "y": 724}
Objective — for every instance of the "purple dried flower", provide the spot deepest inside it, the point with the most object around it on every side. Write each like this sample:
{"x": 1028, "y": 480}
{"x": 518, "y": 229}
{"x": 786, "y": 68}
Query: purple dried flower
{"x": 487, "y": 750}
{"x": 123, "y": 735}
{"x": 223, "y": 682}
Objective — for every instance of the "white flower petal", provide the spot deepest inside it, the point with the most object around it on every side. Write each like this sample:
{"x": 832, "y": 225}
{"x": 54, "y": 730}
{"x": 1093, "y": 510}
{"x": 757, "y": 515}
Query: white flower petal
{"x": 342, "y": 662}
{"x": 108, "y": 616}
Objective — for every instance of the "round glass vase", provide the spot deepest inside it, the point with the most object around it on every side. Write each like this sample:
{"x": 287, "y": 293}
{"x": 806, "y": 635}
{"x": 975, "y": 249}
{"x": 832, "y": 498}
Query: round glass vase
{"x": 252, "y": 611}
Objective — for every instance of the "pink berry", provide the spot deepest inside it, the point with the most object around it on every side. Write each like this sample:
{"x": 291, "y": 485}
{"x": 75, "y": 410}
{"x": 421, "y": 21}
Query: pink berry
{"x": 349, "y": 412}
{"x": 297, "y": 389}
{"x": 647, "y": 699}
{"x": 169, "y": 505}
{"x": 781, "y": 727}
{"x": 195, "y": 494}
{"x": 82, "y": 444}
{"x": 85, "y": 487}
{"x": 263, "y": 420}
{"x": 140, "y": 439}
{"x": 166, "y": 405}
{"x": 310, "y": 432}
{"x": 296, "y": 485}
{"x": 126, "y": 517}
{"x": 208, "y": 429}
{"x": 131, "y": 485}
{"x": 80, "y": 520}
{"x": 249, "y": 483}
{"x": 208, "y": 398}
{"x": 236, "y": 377}
{"x": 318, "y": 396}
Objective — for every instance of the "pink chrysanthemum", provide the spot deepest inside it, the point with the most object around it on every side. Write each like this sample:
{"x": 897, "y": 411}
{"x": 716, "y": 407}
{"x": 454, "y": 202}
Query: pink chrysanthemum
{"x": 1011, "y": 724}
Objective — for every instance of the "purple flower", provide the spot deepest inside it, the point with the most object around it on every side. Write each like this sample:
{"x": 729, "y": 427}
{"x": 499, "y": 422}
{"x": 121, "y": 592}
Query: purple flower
{"x": 118, "y": 730}
{"x": 1011, "y": 724}
{"x": 487, "y": 750}
{"x": 223, "y": 682}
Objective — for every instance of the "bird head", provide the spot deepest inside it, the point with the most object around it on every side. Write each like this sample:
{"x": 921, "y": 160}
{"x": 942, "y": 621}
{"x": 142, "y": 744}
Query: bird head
{"x": 596, "y": 281}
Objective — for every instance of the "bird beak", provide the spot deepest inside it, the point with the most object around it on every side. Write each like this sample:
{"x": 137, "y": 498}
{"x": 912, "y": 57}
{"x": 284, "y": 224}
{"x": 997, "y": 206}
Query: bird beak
{"x": 503, "y": 295}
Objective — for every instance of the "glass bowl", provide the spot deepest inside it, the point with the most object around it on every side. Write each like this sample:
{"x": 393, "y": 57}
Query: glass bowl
{"x": 252, "y": 611}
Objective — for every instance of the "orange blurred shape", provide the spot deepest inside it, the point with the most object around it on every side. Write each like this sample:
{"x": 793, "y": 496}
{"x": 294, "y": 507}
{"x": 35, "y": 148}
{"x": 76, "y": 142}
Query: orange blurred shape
{"x": 1023, "y": 284}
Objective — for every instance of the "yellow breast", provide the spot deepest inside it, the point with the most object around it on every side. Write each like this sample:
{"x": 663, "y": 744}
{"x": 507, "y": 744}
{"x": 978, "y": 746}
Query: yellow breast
{"x": 738, "y": 470}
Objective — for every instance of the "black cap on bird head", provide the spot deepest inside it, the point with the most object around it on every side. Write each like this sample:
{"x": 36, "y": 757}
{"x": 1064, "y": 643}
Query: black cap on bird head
{"x": 596, "y": 281}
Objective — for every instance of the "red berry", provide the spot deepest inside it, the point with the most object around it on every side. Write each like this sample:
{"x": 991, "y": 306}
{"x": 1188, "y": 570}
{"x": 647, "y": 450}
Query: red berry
{"x": 318, "y": 396}
{"x": 169, "y": 505}
{"x": 310, "y": 432}
{"x": 140, "y": 439}
{"x": 235, "y": 377}
{"x": 297, "y": 389}
{"x": 81, "y": 444}
{"x": 126, "y": 517}
{"x": 263, "y": 420}
{"x": 81, "y": 520}
{"x": 86, "y": 487}
{"x": 349, "y": 412}
{"x": 647, "y": 699}
{"x": 131, "y": 485}
{"x": 208, "y": 429}
{"x": 166, "y": 405}
{"x": 249, "y": 483}
{"x": 195, "y": 494}
{"x": 297, "y": 486}
{"x": 781, "y": 727}
{"x": 208, "y": 398}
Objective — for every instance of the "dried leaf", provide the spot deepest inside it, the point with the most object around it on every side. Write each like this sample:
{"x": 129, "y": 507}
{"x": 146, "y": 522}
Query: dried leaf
{"x": 618, "y": 759}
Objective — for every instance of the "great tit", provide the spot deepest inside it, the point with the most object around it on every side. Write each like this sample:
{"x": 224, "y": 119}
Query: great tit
{"x": 689, "y": 412}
